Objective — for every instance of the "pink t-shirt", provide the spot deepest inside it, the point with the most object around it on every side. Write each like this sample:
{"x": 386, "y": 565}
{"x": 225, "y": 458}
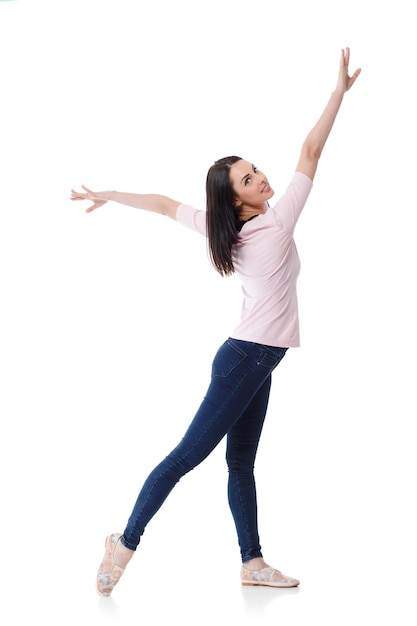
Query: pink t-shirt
{"x": 267, "y": 263}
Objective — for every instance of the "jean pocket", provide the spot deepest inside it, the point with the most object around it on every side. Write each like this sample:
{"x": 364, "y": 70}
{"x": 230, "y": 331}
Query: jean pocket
{"x": 227, "y": 358}
{"x": 271, "y": 357}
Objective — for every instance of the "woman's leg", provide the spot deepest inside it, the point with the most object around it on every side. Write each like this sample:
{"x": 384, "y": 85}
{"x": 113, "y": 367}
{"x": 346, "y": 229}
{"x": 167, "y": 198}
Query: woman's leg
{"x": 242, "y": 445}
{"x": 239, "y": 370}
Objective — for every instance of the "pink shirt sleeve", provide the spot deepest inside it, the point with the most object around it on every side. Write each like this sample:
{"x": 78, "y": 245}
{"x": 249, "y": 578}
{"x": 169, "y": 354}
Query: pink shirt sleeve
{"x": 192, "y": 218}
{"x": 289, "y": 206}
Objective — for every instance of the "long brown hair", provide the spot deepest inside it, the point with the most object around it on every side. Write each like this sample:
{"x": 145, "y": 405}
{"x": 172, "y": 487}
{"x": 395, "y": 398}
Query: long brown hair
{"x": 222, "y": 215}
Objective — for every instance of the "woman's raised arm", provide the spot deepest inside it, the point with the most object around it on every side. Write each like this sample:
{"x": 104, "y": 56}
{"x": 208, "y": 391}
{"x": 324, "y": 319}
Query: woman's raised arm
{"x": 148, "y": 202}
{"x": 317, "y": 137}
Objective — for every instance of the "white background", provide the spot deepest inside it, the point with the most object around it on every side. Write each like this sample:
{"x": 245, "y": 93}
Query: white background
{"x": 109, "y": 321}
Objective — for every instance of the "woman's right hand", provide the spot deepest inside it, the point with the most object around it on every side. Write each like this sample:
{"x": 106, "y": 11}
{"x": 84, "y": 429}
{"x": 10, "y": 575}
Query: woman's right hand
{"x": 344, "y": 81}
{"x": 95, "y": 197}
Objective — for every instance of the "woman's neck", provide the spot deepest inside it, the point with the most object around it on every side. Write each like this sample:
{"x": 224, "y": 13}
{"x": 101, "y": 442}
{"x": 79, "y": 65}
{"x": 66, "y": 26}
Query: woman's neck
{"x": 248, "y": 212}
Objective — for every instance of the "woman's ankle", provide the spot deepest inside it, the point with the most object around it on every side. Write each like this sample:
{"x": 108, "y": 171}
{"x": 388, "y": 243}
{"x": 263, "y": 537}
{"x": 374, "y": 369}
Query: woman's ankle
{"x": 122, "y": 555}
{"x": 255, "y": 565}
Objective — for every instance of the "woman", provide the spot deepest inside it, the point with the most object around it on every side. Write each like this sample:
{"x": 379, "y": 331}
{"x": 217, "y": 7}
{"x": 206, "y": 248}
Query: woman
{"x": 248, "y": 237}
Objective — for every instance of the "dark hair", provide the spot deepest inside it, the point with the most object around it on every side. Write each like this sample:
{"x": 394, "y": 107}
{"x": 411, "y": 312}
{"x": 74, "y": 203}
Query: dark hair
{"x": 222, "y": 215}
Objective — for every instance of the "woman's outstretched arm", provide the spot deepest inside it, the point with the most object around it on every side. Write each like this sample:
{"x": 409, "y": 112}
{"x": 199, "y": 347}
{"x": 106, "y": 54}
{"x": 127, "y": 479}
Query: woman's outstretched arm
{"x": 317, "y": 137}
{"x": 148, "y": 202}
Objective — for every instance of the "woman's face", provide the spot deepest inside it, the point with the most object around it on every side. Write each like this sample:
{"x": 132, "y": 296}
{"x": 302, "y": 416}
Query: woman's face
{"x": 250, "y": 186}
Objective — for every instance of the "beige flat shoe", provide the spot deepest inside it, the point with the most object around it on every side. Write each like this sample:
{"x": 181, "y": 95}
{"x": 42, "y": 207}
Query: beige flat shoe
{"x": 268, "y": 577}
{"x": 109, "y": 573}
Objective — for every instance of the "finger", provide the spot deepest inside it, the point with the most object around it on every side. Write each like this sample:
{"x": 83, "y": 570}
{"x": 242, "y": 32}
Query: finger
{"x": 347, "y": 57}
{"x": 86, "y": 188}
{"x": 355, "y": 74}
{"x": 354, "y": 77}
{"x": 94, "y": 206}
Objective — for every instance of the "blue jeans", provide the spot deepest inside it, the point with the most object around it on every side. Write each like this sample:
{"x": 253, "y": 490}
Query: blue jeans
{"x": 235, "y": 405}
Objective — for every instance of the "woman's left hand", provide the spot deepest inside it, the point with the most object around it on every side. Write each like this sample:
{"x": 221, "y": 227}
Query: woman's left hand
{"x": 89, "y": 195}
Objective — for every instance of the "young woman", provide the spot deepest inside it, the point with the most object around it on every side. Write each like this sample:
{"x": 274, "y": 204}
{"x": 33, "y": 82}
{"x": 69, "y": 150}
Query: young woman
{"x": 248, "y": 237}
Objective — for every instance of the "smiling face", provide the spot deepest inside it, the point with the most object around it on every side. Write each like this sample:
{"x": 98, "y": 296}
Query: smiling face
{"x": 251, "y": 188}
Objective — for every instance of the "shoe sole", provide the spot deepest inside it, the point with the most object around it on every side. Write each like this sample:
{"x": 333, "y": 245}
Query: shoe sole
{"x": 282, "y": 586}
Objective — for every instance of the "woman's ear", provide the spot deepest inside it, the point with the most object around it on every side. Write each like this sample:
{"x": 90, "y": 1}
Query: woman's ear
{"x": 237, "y": 202}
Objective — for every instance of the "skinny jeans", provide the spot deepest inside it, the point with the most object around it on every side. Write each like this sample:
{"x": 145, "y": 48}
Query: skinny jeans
{"x": 234, "y": 406}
